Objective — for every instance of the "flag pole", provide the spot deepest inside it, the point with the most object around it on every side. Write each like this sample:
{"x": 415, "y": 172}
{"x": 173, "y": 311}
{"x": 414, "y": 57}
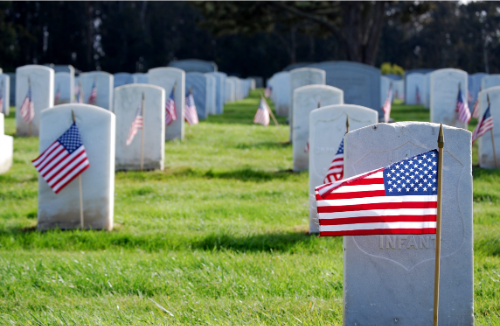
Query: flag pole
{"x": 142, "y": 132}
{"x": 492, "y": 138}
{"x": 347, "y": 123}
{"x": 79, "y": 184}
{"x": 437, "y": 267}
{"x": 270, "y": 111}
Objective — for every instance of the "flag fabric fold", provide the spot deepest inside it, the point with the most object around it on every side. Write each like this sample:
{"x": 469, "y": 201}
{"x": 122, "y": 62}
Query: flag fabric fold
{"x": 475, "y": 110}
{"x": 462, "y": 108}
{"x": 190, "y": 114}
{"x": 268, "y": 91}
{"x": 336, "y": 170}
{"x": 484, "y": 125}
{"x": 27, "y": 109}
{"x": 387, "y": 105}
{"x": 398, "y": 199}
{"x": 136, "y": 125}
{"x": 262, "y": 114}
{"x": 170, "y": 113}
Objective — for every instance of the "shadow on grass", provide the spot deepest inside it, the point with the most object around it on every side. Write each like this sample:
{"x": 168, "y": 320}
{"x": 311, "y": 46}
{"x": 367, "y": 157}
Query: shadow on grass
{"x": 489, "y": 246}
{"x": 264, "y": 145}
{"x": 252, "y": 175}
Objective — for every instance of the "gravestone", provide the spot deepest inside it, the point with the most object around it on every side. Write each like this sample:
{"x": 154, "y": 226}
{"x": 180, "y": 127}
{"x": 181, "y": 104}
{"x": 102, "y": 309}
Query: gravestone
{"x": 485, "y": 149}
{"x": 490, "y": 81}
{"x": 140, "y": 78}
{"x": 385, "y": 83}
{"x": 444, "y": 94}
{"x": 399, "y": 89}
{"x": 122, "y": 78}
{"x": 327, "y": 126}
{"x": 97, "y": 130}
{"x": 127, "y": 99}
{"x": 194, "y": 65}
{"x": 414, "y": 81}
{"x": 199, "y": 83}
{"x": 1, "y": 71}
{"x": 236, "y": 84}
{"x": 104, "y": 85}
{"x": 389, "y": 279}
{"x": 281, "y": 93}
{"x": 64, "y": 84}
{"x": 259, "y": 81}
{"x": 297, "y": 65}
{"x": 211, "y": 94}
{"x": 220, "y": 91}
{"x": 360, "y": 82}
{"x": 301, "y": 77}
{"x": 230, "y": 90}
{"x": 166, "y": 78}
{"x": 427, "y": 98}
{"x": 12, "y": 88}
{"x": 393, "y": 77}
{"x": 62, "y": 68}
{"x": 306, "y": 99}
{"x": 6, "y": 148}
{"x": 474, "y": 85}
{"x": 5, "y": 91}
{"x": 42, "y": 95}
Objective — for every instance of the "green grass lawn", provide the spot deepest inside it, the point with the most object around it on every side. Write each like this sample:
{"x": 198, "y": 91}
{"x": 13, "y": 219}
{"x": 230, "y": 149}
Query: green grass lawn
{"x": 218, "y": 237}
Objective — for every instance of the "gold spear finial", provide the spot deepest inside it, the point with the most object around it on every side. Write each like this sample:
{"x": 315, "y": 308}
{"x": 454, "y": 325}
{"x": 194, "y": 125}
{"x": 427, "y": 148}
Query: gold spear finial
{"x": 441, "y": 137}
{"x": 73, "y": 115}
{"x": 488, "y": 98}
{"x": 347, "y": 123}
{"x": 319, "y": 104}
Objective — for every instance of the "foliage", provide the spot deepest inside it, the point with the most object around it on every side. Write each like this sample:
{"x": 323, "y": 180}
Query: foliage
{"x": 387, "y": 68}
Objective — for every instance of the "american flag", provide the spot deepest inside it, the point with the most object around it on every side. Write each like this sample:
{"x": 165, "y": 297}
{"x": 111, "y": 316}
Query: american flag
{"x": 27, "y": 107}
{"x": 262, "y": 114}
{"x": 484, "y": 125}
{"x": 171, "y": 114}
{"x": 462, "y": 108}
{"x": 398, "y": 199}
{"x": 268, "y": 91}
{"x": 63, "y": 161}
{"x": 387, "y": 105}
{"x": 336, "y": 170}
{"x": 190, "y": 114}
{"x": 93, "y": 94}
{"x": 136, "y": 125}
{"x": 417, "y": 95}
{"x": 475, "y": 110}
{"x": 469, "y": 97}
{"x": 58, "y": 95}
{"x": 306, "y": 150}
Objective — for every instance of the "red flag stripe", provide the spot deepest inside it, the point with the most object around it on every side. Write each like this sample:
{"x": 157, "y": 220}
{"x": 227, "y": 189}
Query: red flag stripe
{"x": 384, "y": 206}
{"x": 378, "y": 232}
{"x": 83, "y": 168}
{"x": 379, "y": 219}
{"x": 62, "y": 168}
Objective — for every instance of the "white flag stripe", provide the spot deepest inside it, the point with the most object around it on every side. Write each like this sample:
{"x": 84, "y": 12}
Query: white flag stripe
{"x": 359, "y": 188}
{"x": 377, "y": 175}
{"x": 52, "y": 160}
{"x": 49, "y": 174}
{"x": 376, "y": 200}
{"x": 82, "y": 165}
{"x": 334, "y": 170}
{"x": 45, "y": 153}
{"x": 379, "y": 225}
{"x": 380, "y": 212}
{"x": 63, "y": 169}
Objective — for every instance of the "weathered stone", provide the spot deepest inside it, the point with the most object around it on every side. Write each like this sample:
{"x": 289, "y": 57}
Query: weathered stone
{"x": 413, "y": 82}
{"x": 97, "y": 129}
{"x": 486, "y": 155}
{"x": 140, "y": 78}
{"x": 389, "y": 279}
{"x": 6, "y": 148}
{"x": 474, "y": 85}
{"x": 104, "y": 85}
{"x": 281, "y": 92}
{"x": 194, "y": 65}
{"x": 5, "y": 93}
{"x": 65, "y": 85}
{"x": 122, "y": 78}
{"x": 220, "y": 90}
{"x": 490, "y": 81}
{"x": 198, "y": 82}
{"x": 230, "y": 90}
{"x": 211, "y": 94}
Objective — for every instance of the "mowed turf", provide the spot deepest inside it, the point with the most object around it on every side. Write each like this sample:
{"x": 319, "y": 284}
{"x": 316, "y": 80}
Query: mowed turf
{"x": 218, "y": 238}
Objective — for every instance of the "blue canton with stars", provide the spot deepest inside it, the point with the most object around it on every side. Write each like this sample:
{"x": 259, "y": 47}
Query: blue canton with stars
{"x": 71, "y": 139}
{"x": 341, "y": 147}
{"x": 414, "y": 176}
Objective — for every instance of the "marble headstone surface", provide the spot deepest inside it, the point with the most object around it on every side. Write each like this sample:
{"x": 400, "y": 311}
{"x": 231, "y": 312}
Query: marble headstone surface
{"x": 485, "y": 148}
{"x": 97, "y": 129}
{"x": 399, "y": 89}
{"x": 199, "y": 83}
{"x": 122, "y": 78}
{"x": 360, "y": 82}
{"x": 230, "y": 97}
{"x": 65, "y": 85}
{"x": 42, "y": 90}
{"x": 5, "y": 91}
{"x": 140, "y": 78}
{"x": 444, "y": 95}
{"x": 62, "y": 68}
{"x": 281, "y": 93}
{"x": 220, "y": 91}
{"x": 12, "y": 87}
{"x": 259, "y": 81}
{"x": 414, "y": 81}
{"x": 104, "y": 86}
{"x": 166, "y": 78}
{"x": 194, "y": 65}
{"x": 6, "y": 148}
{"x": 327, "y": 126}
{"x": 306, "y": 99}
{"x": 127, "y": 99}
{"x": 211, "y": 94}
{"x": 389, "y": 279}
{"x": 474, "y": 85}
{"x": 427, "y": 98}
{"x": 385, "y": 83}
{"x": 490, "y": 81}
{"x": 236, "y": 84}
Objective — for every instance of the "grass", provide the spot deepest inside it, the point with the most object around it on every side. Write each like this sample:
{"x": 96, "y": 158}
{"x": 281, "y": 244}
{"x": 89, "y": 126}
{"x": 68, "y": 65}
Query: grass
{"x": 219, "y": 237}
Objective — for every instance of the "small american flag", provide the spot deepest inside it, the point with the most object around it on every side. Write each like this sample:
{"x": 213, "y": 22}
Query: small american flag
{"x": 171, "y": 114}
{"x": 93, "y": 94}
{"x": 398, "y": 199}
{"x": 336, "y": 170}
{"x": 417, "y": 95}
{"x": 262, "y": 114}
{"x": 484, "y": 125}
{"x": 63, "y": 161}
{"x": 136, "y": 125}
{"x": 58, "y": 95}
{"x": 306, "y": 150}
{"x": 268, "y": 91}
{"x": 190, "y": 114}
{"x": 387, "y": 105}
{"x": 462, "y": 108}
{"x": 469, "y": 97}
{"x": 27, "y": 107}
{"x": 475, "y": 110}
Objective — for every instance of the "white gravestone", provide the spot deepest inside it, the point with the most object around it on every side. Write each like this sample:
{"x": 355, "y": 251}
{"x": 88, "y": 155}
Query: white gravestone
{"x": 127, "y": 99}
{"x": 413, "y": 82}
{"x": 306, "y": 99}
{"x": 140, "y": 78}
{"x": 485, "y": 148}
{"x": 64, "y": 84}
{"x": 427, "y": 98}
{"x": 220, "y": 91}
{"x": 281, "y": 93}
{"x": 42, "y": 95}
{"x": 199, "y": 84}
{"x": 166, "y": 78}
{"x": 97, "y": 129}
{"x": 327, "y": 126}
{"x": 385, "y": 83}
{"x": 122, "y": 78}
{"x": 389, "y": 279}
{"x": 6, "y": 148}
{"x": 399, "y": 89}
{"x": 104, "y": 85}
{"x": 444, "y": 95}
{"x": 194, "y": 65}
{"x": 5, "y": 90}
{"x": 12, "y": 87}
{"x": 230, "y": 90}
{"x": 236, "y": 84}
{"x": 474, "y": 85}
{"x": 212, "y": 93}
{"x": 490, "y": 81}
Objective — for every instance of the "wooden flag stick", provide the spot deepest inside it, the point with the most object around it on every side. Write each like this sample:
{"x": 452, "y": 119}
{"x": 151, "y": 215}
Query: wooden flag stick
{"x": 270, "y": 111}
{"x": 347, "y": 124}
{"x": 437, "y": 267}
{"x": 79, "y": 184}
{"x": 142, "y": 133}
